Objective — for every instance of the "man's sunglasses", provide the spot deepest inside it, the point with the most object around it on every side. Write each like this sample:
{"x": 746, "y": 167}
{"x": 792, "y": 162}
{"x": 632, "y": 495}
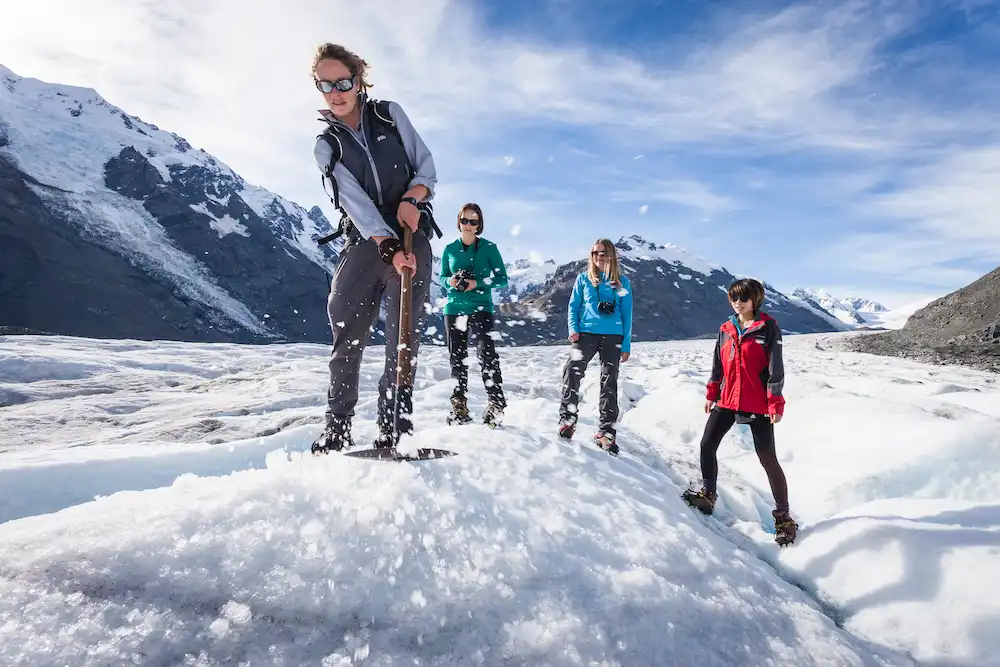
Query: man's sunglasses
{"x": 343, "y": 85}
{"x": 466, "y": 221}
{"x": 741, "y": 299}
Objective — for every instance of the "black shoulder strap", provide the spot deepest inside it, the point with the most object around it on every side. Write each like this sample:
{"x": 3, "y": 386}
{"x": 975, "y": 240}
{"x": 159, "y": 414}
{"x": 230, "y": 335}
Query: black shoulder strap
{"x": 332, "y": 138}
{"x": 381, "y": 109}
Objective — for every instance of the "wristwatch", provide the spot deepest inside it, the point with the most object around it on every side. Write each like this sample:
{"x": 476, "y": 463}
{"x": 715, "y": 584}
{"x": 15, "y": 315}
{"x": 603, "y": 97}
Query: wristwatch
{"x": 412, "y": 200}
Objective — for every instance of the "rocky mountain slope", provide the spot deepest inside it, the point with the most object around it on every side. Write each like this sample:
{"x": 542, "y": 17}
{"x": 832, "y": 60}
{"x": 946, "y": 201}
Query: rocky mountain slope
{"x": 961, "y": 327}
{"x": 111, "y": 227}
{"x": 676, "y": 296}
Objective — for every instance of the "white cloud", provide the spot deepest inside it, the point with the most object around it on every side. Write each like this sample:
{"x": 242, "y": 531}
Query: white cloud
{"x": 688, "y": 193}
{"x": 643, "y": 209}
{"x": 944, "y": 212}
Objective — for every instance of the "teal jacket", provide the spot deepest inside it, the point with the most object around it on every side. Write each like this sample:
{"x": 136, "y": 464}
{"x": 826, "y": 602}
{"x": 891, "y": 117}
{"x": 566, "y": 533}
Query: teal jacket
{"x": 483, "y": 261}
{"x": 584, "y": 317}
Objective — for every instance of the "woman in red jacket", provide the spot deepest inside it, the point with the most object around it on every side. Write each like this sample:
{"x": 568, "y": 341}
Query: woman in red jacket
{"x": 745, "y": 388}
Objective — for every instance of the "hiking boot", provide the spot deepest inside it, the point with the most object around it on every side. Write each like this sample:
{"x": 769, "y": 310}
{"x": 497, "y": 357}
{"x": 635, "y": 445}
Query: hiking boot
{"x": 606, "y": 441}
{"x": 493, "y": 416}
{"x": 785, "y": 529}
{"x": 336, "y": 436}
{"x": 385, "y": 439}
{"x": 566, "y": 429}
{"x": 702, "y": 500}
{"x": 459, "y": 410}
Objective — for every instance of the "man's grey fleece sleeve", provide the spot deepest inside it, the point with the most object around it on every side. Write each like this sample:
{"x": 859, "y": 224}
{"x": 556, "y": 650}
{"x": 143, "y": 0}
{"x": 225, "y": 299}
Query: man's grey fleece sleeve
{"x": 353, "y": 198}
{"x": 416, "y": 151}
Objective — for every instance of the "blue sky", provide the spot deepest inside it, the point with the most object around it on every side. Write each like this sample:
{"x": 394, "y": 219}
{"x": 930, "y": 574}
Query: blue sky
{"x": 853, "y": 146}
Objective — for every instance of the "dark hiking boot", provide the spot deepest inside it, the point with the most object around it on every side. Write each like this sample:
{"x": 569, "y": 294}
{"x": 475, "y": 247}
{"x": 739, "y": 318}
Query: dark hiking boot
{"x": 785, "y": 529}
{"x": 336, "y": 436}
{"x": 386, "y": 438}
{"x": 459, "y": 410}
{"x": 606, "y": 441}
{"x": 493, "y": 416}
{"x": 702, "y": 499}
{"x": 567, "y": 427}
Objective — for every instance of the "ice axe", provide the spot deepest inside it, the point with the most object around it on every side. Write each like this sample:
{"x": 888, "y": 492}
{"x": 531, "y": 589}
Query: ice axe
{"x": 403, "y": 408}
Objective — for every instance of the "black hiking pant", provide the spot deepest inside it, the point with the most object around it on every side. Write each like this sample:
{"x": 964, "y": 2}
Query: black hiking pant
{"x": 719, "y": 422}
{"x": 460, "y": 330}
{"x": 608, "y": 348}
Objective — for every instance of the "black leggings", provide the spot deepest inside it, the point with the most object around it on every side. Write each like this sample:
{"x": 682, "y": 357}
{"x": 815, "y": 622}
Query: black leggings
{"x": 719, "y": 423}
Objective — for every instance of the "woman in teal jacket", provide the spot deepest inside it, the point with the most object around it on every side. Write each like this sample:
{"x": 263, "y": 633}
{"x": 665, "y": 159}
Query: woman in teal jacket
{"x": 600, "y": 323}
{"x": 471, "y": 267}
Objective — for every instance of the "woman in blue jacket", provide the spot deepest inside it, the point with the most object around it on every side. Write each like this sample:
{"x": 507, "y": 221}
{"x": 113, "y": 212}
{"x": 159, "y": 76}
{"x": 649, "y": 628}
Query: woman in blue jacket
{"x": 600, "y": 322}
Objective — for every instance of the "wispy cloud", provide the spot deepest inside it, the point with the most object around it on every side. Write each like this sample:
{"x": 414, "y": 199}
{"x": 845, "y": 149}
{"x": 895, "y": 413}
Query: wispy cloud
{"x": 947, "y": 231}
{"x": 687, "y": 193}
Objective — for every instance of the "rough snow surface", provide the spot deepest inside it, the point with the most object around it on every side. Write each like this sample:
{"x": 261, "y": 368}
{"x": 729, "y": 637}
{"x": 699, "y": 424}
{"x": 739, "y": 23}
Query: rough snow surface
{"x": 151, "y": 514}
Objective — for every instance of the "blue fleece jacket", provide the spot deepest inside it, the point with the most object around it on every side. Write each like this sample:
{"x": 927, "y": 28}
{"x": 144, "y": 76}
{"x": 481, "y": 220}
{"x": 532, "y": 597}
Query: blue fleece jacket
{"x": 584, "y": 317}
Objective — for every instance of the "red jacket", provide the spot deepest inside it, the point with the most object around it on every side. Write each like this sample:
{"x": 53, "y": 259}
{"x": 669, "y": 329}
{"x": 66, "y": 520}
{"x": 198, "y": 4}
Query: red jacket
{"x": 747, "y": 371}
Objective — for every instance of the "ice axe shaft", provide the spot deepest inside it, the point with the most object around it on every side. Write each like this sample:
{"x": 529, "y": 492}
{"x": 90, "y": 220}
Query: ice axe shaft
{"x": 404, "y": 367}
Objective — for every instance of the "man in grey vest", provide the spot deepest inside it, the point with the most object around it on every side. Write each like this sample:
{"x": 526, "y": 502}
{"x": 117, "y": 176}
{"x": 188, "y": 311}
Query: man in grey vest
{"x": 381, "y": 172}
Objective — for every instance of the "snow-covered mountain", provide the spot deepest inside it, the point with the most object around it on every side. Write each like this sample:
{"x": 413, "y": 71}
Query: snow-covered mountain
{"x": 841, "y": 309}
{"x": 526, "y": 276}
{"x": 677, "y": 295}
{"x": 862, "y": 305}
{"x": 113, "y": 227}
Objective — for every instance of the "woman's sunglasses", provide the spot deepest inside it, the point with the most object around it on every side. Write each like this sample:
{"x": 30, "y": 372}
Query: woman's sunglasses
{"x": 343, "y": 85}
{"x": 466, "y": 221}
{"x": 741, "y": 299}
{"x": 598, "y": 253}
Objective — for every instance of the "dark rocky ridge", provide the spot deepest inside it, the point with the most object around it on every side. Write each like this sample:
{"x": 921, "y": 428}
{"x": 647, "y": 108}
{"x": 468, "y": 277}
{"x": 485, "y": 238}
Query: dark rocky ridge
{"x": 273, "y": 282}
{"x": 57, "y": 279}
{"x": 962, "y": 327}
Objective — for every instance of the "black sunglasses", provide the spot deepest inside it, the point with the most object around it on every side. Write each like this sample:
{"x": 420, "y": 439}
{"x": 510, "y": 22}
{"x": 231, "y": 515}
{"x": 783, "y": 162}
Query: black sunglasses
{"x": 598, "y": 253}
{"x": 466, "y": 221}
{"x": 741, "y": 299}
{"x": 343, "y": 85}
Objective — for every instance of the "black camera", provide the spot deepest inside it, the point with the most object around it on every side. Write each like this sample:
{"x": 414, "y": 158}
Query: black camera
{"x": 462, "y": 278}
{"x": 606, "y": 307}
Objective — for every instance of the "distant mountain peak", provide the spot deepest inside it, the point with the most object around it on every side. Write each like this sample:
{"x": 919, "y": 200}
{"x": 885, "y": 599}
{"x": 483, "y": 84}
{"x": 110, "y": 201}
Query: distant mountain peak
{"x": 528, "y": 262}
{"x": 863, "y": 305}
{"x": 638, "y": 249}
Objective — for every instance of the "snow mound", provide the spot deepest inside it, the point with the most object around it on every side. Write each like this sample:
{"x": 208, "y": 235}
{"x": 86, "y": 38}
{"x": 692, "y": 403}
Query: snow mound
{"x": 894, "y": 565}
{"x": 520, "y": 551}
